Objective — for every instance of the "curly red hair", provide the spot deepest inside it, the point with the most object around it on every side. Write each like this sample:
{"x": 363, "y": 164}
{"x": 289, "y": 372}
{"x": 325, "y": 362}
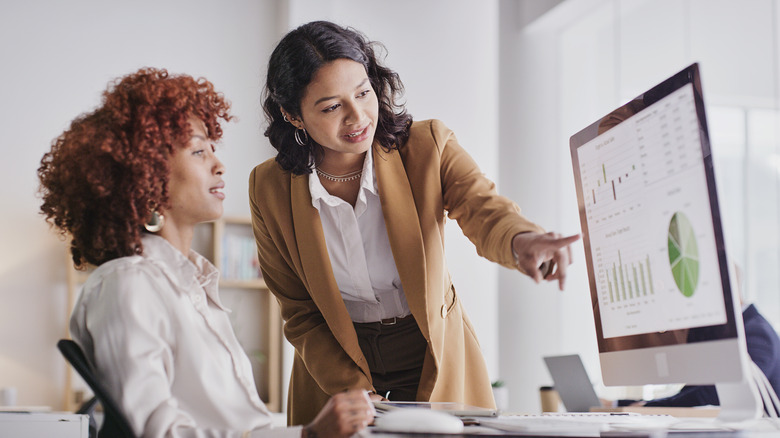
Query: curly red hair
{"x": 109, "y": 170}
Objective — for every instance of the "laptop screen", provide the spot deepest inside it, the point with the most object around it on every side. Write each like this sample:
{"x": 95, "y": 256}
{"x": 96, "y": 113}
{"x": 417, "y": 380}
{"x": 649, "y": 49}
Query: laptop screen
{"x": 572, "y": 382}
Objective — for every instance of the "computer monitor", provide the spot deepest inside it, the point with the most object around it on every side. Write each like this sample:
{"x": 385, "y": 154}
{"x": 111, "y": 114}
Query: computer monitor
{"x": 661, "y": 288}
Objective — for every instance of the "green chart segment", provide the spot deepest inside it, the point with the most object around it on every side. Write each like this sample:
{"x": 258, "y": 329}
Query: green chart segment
{"x": 683, "y": 254}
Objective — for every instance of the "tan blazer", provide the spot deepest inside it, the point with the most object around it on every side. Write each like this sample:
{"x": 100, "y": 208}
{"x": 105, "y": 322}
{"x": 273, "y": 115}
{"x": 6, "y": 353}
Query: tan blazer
{"x": 431, "y": 175}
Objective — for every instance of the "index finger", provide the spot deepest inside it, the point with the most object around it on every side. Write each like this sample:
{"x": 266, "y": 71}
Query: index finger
{"x": 565, "y": 241}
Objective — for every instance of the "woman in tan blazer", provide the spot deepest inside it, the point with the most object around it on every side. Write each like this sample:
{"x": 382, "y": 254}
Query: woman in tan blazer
{"x": 349, "y": 222}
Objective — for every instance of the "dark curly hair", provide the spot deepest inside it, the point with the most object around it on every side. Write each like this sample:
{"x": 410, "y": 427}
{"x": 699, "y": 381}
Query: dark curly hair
{"x": 110, "y": 169}
{"x": 293, "y": 64}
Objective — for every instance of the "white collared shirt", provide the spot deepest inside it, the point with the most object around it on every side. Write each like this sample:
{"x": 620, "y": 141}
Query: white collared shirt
{"x": 161, "y": 341}
{"x": 359, "y": 250}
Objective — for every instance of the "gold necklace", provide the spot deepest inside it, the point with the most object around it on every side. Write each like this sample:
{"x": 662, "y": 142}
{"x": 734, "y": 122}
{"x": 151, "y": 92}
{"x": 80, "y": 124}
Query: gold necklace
{"x": 340, "y": 178}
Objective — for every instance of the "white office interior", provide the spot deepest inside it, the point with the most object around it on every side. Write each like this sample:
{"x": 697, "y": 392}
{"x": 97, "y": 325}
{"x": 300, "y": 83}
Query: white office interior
{"x": 513, "y": 78}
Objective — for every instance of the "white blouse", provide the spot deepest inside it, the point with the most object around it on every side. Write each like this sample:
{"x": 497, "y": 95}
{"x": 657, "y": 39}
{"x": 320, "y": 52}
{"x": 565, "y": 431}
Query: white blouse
{"x": 160, "y": 339}
{"x": 359, "y": 250}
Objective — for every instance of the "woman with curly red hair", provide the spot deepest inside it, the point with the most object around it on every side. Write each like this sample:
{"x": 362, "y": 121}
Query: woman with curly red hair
{"x": 129, "y": 182}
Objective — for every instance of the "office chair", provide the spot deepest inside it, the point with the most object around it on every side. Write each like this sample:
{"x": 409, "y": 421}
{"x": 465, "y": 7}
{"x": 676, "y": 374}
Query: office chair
{"x": 115, "y": 425}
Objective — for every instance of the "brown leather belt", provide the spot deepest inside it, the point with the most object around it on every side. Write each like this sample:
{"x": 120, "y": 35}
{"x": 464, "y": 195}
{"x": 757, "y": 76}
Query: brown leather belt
{"x": 394, "y": 320}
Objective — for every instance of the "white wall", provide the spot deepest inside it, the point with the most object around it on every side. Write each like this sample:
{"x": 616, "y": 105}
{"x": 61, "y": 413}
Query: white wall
{"x": 57, "y": 57}
{"x": 535, "y": 321}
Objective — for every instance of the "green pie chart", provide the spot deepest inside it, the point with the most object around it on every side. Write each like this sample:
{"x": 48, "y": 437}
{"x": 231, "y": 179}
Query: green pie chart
{"x": 683, "y": 254}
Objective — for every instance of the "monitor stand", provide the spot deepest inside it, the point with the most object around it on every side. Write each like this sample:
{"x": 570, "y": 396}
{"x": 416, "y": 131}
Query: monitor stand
{"x": 739, "y": 401}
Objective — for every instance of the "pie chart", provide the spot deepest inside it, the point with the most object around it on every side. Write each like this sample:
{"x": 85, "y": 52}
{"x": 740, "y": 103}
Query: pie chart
{"x": 683, "y": 254}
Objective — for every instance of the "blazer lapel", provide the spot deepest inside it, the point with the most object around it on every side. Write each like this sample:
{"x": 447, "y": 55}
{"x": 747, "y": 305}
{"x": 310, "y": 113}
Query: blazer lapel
{"x": 317, "y": 271}
{"x": 403, "y": 229}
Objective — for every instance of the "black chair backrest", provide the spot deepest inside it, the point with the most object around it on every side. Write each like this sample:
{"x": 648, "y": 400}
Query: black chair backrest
{"x": 115, "y": 425}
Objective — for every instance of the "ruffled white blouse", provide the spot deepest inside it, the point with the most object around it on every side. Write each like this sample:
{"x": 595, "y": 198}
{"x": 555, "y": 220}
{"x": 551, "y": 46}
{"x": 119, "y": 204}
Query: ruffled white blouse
{"x": 160, "y": 339}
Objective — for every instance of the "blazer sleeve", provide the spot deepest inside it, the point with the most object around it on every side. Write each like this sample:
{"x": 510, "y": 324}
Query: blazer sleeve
{"x": 763, "y": 344}
{"x": 486, "y": 218}
{"x": 305, "y": 327}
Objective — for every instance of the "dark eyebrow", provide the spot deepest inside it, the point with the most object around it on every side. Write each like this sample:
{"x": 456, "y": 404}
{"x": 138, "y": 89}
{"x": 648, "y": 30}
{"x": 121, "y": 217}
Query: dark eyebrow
{"x": 322, "y": 99}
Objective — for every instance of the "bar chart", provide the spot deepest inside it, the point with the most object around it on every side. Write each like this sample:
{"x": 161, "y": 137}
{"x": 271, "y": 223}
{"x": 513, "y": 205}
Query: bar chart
{"x": 611, "y": 184}
{"x": 625, "y": 268}
{"x": 626, "y": 281}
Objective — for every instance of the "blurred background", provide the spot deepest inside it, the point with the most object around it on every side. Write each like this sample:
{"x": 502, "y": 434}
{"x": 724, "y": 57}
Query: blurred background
{"x": 513, "y": 78}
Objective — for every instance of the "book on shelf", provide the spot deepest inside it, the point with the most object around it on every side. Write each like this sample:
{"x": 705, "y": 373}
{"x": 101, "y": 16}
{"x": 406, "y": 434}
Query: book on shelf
{"x": 239, "y": 258}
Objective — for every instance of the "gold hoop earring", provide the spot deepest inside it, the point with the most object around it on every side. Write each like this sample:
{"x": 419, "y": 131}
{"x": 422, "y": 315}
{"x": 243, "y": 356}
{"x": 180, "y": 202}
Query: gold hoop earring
{"x": 155, "y": 223}
{"x": 298, "y": 139}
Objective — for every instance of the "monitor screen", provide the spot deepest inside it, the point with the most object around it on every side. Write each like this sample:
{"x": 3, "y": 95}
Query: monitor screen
{"x": 659, "y": 277}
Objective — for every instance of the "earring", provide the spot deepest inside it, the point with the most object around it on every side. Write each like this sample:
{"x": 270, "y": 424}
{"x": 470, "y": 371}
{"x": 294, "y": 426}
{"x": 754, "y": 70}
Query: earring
{"x": 155, "y": 223}
{"x": 298, "y": 139}
{"x": 284, "y": 116}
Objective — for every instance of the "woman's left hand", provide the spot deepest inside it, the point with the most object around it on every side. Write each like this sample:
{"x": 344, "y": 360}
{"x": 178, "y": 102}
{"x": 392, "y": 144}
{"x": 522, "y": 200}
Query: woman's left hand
{"x": 543, "y": 256}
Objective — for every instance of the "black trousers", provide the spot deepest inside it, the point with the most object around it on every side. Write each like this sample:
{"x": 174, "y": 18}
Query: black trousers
{"x": 395, "y": 355}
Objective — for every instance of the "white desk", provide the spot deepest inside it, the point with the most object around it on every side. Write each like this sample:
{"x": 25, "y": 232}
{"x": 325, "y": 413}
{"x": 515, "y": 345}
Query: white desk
{"x": 43, "y": 425}
{"x": 595, "y": 426}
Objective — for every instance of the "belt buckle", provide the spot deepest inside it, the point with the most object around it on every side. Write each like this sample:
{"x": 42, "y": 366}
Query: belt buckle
{"x": 389, "y": 321}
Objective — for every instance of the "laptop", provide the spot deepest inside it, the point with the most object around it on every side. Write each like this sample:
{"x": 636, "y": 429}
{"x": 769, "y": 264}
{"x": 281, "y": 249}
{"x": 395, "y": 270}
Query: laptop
{"x": 572, "y": 383}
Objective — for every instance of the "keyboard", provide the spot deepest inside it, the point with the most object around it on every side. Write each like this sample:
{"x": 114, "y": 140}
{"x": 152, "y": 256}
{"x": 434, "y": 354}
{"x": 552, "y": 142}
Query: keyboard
{"x": 580, "y": 424}
{"x": 599, "y": 424}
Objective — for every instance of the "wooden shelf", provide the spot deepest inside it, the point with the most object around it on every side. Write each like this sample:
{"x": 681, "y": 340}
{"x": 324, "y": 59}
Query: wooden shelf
{"x": 243, "y": 284}
{"x": 75, "y": 278}
{"x": 271, "y": 380}
{"x": 209, "y": 241}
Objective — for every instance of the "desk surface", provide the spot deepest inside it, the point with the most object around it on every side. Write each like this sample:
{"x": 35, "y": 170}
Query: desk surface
{"x": 25, "y": 409}
{"x": 652, "y": 426}
{"x": 476, "y": 434}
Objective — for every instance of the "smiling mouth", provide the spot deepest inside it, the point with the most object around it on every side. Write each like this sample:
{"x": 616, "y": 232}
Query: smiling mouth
{"x": 356, "y": 133}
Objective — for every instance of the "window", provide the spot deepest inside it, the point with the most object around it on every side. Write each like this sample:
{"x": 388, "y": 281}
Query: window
{"x": 619, "y": 48}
